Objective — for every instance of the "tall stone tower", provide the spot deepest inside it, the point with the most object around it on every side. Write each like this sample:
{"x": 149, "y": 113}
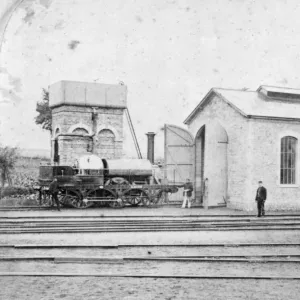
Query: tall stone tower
{"x": 86, "y": 118}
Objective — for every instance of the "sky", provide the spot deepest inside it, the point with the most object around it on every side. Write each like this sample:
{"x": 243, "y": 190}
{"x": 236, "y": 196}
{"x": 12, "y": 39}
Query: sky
{"x": 169, "y": 53}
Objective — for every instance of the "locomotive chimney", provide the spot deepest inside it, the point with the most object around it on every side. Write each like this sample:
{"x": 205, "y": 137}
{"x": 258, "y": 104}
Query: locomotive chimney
{"x": 150, "y": 150}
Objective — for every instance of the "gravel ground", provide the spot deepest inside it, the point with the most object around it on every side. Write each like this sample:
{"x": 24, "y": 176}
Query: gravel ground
{"x": 136, "y": 211}
{"x": 50, "y": 288}
{"x": 130, "y": 211}
{"x": 158, "y": 268}
{"x": 47, "y": 288}
{"x": 184, "y": 237}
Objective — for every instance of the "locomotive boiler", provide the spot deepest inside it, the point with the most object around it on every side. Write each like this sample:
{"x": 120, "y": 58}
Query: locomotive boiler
{"x": 93, "y": 181}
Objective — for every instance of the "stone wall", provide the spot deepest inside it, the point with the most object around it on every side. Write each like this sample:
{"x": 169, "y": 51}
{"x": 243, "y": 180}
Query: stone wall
{"x": 65, "y": 117}
{"x": 105, "y": 129}
{"x": 71, "y": 147}
{"x": 265, "y": 141}
{"x": 216, "y": 114}
{"x": 253, "y": 154}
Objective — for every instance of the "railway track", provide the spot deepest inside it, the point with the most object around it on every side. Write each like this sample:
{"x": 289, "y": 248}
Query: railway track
{"x": 60, "y": 259}
{"x": 119, "y": 224}
{"x": 48, "y": 263}
{"x": 271, "y": 258}
{"x": 159, "y": 276}
{"x": 118, "y": 246}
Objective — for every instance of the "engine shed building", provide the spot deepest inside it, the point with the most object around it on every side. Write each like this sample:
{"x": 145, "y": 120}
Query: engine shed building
{"x": 236, "y": 138}
{"x": 87, "y": 118}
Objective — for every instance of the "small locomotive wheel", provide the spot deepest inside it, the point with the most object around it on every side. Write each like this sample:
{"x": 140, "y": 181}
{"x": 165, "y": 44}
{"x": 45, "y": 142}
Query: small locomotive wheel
{"x": 135, "y": 200}
{"x": 147, "y": 201}
{"x": 116, "y": 204}
{"x": 135, "y": 197}
{"x": 153, "y": 197}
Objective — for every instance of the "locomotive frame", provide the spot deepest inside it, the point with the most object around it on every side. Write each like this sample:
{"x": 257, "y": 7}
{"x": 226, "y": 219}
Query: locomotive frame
{"x": 87, "y": 188}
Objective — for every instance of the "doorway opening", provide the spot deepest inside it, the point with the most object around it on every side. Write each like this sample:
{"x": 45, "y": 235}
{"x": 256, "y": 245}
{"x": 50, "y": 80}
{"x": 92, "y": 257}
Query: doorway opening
{"x": 211, "y": 144}
{"x": 56, "y": 151}
{"x": 200, "y": 163}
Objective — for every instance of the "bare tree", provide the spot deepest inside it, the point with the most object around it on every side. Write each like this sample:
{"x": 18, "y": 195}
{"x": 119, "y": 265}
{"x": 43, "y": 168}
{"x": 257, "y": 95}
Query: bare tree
{"x": 44, "y": 117}
{"x": 8, "y": 158}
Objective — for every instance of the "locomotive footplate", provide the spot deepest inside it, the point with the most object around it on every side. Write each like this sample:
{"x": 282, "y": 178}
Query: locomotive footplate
{"x": 133, "y": 195}
{"x": 112, "y": 195}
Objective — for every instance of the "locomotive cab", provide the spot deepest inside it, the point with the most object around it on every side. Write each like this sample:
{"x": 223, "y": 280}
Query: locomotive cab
{"x": 64, "y": 174}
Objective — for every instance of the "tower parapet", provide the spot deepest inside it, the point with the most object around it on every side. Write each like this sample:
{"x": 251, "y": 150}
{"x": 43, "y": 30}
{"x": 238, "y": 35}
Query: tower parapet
{"x": 86, "y": 118}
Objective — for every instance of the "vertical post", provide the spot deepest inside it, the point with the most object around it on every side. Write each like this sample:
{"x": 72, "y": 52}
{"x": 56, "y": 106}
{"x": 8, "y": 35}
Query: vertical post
{"x": 94, "y": 128}
{"x": 174, "y": 176}
{"x": 150, "y": 150}
{"x": 165, "y": 155}
{"x": 165, "y": 181}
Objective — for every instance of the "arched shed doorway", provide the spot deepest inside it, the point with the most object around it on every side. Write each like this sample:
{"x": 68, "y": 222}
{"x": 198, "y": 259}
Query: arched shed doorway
{"x": 211, "y": 143}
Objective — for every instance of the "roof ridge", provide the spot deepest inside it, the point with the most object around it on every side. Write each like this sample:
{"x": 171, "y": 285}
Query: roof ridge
{"x": 279, "y": 87}
{"x": 249, "y": 105}
{"x": 231, "y": 89}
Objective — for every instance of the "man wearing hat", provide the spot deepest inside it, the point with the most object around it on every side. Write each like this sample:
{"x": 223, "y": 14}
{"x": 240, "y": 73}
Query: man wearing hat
{"x": 53, "y": 189}
{"x": 261, "y": 196}
{"x": 187, "y": 193}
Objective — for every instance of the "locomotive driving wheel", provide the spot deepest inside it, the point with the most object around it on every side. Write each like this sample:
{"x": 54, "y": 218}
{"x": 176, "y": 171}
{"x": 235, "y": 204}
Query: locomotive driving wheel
{"x": 61, "y": 197}
{"x": 103, "y": 197}
{"x": 74, "y": 199}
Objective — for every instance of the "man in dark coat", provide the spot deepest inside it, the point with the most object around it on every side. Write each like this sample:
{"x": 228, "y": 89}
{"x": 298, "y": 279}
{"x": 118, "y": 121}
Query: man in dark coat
{"x": 187, "y": 193}
{"x": 53, "y": 189}
{"x": 261, "y": 196}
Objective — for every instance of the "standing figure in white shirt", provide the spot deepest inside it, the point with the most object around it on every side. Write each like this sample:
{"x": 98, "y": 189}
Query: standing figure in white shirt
{"x": 187, "y": 194}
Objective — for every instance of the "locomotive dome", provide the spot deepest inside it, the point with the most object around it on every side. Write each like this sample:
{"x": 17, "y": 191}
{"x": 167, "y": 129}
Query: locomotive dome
{"x": 90, "y": 162}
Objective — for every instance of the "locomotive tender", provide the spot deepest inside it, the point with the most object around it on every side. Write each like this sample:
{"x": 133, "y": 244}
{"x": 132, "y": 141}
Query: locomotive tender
{"x": 93, "y": 181}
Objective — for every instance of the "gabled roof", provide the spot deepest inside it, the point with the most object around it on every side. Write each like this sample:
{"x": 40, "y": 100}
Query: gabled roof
{"x": 267, "y": 102}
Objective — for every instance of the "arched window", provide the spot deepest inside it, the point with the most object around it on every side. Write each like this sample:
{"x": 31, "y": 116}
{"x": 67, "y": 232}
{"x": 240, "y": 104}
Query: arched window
{"x": 288, "y": 156}
{"x": 106, "y": 138}
{"x": 81, "y": 131}
{"x": 57, "y": 132}
{"x": 106, "y": 144}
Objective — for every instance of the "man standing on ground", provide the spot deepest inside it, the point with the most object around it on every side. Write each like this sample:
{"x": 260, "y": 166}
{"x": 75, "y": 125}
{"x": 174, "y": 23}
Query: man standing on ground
{"x": 53, "y": 189}
{"x": 261, "y": 196}
{"x": 187, "y": 194}
{"x": 205, "y": 193}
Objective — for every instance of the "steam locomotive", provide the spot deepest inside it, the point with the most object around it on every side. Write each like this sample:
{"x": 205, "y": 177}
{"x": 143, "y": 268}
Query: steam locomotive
{"x": 93, "y": 181}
